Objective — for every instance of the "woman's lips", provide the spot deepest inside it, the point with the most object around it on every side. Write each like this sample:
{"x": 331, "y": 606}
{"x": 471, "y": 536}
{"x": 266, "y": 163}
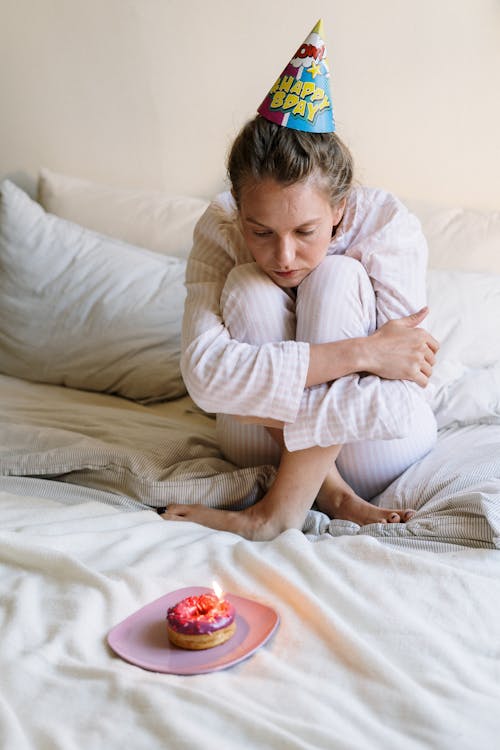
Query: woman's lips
{"x": 285, "y": 274}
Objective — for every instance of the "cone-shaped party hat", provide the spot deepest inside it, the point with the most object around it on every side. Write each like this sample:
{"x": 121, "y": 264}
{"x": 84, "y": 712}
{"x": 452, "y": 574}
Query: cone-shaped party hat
{"x": 300, "y": 98}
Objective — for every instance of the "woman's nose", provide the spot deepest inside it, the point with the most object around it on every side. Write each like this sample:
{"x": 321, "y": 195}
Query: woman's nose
{"x": 285, "y": 251}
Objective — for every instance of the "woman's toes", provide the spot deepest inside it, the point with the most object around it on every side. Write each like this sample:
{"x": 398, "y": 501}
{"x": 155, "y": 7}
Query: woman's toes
{"x": 394, "y": 518}
{"x": 407, "y": 515}
{"x": 174, "y": 512}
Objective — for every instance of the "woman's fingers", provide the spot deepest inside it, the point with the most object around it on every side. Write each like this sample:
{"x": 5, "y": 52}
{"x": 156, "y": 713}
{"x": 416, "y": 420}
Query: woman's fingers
{"x": 422, "y": 379}
{"x": 415, "y": 318}
{"x": 430, "y": 357}
{"x": 432, "y": 343}
{"x": 412, "y": 321}
{"x": 426, "y": 369}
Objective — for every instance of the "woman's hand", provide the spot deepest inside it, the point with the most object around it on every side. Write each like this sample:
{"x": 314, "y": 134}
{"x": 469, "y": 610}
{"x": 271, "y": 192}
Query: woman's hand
{"x": 399, "y": 350}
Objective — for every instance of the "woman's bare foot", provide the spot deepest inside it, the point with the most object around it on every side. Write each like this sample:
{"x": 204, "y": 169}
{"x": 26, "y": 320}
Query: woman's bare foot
{"x": 253, "y": 523}
{"x": 284, "y": 506}
{"x": 338, "y": 500}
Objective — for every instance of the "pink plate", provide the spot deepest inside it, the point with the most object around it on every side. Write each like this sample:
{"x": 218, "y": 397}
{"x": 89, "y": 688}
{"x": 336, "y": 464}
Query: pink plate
{"x": 142, "y": 638}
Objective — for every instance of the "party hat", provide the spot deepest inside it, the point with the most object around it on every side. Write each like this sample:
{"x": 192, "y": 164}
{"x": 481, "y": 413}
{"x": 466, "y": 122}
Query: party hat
{"x": 300, "y": 98}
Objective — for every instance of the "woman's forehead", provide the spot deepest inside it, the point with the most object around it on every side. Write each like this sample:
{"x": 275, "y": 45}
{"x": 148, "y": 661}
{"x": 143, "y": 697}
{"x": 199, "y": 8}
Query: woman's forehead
{"x": 268, "y": 198}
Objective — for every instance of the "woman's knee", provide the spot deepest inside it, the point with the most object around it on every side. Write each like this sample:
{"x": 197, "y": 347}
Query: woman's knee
{"x": 339, "y": 276}
{"x": 336, "y": 301}
{"x": 254, "y": 309}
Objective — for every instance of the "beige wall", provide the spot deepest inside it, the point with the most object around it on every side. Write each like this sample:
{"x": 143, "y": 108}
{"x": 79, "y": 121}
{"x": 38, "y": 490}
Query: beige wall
{"x": 149, "y": 93}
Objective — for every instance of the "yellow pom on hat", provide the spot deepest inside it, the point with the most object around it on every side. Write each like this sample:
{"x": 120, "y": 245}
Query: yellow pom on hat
{"x": 300, "y": 98}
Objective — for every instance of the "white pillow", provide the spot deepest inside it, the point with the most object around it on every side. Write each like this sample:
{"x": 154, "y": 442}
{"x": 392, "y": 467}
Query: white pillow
{"x": 142, "y": 217}
{"x": 464, "y": 317}
{"x": 460, "y": 239}
{"x": 84, "y": 310}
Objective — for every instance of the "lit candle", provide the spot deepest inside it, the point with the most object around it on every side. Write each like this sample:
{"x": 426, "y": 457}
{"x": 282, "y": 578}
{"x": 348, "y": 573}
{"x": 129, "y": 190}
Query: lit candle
{"x": 218, "y": 591}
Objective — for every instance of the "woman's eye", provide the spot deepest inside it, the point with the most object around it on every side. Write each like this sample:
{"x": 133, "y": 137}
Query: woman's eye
{"x": 305, "y": 232}
{"x": 261, "y": 234}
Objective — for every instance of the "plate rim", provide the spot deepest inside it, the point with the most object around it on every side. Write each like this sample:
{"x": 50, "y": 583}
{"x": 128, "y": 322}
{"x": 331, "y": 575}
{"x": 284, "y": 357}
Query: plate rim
{"x": 213, "y": 666}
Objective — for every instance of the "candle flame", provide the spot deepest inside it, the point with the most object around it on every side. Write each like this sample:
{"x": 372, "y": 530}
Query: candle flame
{"x": 218, "y": 590}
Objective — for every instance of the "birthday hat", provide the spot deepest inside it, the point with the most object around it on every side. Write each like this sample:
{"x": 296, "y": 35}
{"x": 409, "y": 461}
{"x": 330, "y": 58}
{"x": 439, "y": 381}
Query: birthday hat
{"x": 300, "y": 98}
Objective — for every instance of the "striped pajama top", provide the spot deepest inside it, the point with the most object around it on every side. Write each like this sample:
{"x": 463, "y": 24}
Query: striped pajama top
{"x": 227, "y": 376}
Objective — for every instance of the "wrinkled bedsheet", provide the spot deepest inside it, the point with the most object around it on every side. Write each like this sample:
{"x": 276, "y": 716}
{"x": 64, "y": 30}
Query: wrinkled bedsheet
{"x": 389, "y": 634}
{"x": 147, "y": 456}
{"x": 378, "y": 647}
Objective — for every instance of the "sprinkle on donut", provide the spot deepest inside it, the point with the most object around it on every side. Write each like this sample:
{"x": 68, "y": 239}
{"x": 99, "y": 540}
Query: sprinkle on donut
{"x": 201, "y": 621}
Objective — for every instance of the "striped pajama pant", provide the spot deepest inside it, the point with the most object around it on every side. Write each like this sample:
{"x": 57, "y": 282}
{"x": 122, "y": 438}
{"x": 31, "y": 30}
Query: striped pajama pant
{"x": 335, "y": 301}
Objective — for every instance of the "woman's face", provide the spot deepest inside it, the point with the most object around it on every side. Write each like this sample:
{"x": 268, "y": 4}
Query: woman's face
{"x": 287, "y": 228}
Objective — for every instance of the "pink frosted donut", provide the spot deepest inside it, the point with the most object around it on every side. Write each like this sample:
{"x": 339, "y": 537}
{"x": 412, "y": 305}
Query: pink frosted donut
{"x": 199, "y": 622}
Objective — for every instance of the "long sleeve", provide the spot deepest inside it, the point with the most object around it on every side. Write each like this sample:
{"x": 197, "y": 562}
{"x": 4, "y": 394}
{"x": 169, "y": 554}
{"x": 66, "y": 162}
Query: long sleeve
{"x": 388, "y": 241}
{"x": 392, "y": 248}
{"x": 220, "y": 373}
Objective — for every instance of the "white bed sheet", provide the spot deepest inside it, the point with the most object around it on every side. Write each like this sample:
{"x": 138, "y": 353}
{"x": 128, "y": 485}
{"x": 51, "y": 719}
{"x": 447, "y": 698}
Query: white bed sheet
{"x": 378, "y": 647}
{"x": 389, "y": 634}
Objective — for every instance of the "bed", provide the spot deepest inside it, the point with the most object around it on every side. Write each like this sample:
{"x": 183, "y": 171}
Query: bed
{"x": 388, "y": 635}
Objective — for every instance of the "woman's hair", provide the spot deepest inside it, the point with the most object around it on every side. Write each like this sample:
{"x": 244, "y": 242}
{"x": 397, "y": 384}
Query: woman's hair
{"x": 263, "y": 149}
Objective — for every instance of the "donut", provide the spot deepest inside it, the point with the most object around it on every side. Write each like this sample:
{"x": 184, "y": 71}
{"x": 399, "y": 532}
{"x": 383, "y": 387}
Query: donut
{"x": 199, "y": 622}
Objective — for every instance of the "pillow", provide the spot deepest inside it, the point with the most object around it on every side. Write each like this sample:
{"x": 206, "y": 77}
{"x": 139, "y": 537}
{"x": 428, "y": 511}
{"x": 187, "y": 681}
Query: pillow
{"x": 464, "y": 314}
{"x": 84, "y": 310}
{"x": 460, "y": 239}
{"x": 146, "y": 218}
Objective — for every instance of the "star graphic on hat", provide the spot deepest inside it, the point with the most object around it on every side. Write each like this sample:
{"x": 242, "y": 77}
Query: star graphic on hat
{"x": 314, "y": 69}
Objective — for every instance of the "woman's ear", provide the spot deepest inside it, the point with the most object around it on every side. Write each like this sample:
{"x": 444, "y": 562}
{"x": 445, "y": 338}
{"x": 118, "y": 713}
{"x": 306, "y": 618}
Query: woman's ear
{"x": 235, "y": 197}
{"x": 338, "y": 212}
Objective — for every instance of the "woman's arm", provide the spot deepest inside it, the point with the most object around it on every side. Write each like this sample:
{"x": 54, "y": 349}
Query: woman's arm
{"x": 268, "y": 381}
{"x": 388, "y": 241}
{"x": 396, "y": 351}
{"x": 222, "y": 374}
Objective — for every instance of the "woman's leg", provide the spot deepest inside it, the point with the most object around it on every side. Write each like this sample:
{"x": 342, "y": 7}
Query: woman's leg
{"x": 370, "y": 466}
{"x": 362, "y": 469}
{"x": 335, "y": 301}
{"x": 257, "y": 311}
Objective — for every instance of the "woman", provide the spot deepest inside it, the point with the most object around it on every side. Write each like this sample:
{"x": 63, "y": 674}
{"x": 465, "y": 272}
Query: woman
{"x": 300, "y": 332}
